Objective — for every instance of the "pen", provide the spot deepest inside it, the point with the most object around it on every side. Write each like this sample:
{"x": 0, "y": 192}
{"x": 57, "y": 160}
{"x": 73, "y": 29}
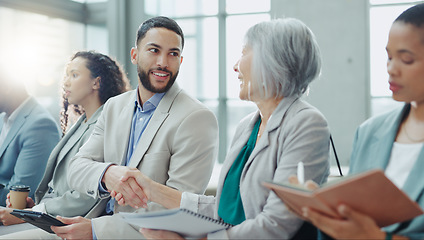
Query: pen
{"x": 301, "y": 173}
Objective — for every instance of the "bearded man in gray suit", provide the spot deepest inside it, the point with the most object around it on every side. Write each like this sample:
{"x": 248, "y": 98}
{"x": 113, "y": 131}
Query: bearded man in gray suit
{"x": 157, "y": 129}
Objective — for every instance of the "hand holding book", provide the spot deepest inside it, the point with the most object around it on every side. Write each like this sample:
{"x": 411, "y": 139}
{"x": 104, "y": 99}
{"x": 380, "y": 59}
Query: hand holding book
{"x": 356, "y": 206}
{"x": 370, "y": 193}
{"x": 353, "y": 222}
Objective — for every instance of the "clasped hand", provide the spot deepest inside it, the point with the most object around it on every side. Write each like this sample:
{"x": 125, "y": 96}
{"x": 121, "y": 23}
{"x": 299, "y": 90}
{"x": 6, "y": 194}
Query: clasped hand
{"x": 127, "y": 185}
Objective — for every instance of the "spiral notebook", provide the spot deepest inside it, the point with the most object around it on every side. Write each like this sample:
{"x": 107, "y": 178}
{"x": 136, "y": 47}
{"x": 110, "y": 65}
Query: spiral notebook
{"x": 180, "y": 220}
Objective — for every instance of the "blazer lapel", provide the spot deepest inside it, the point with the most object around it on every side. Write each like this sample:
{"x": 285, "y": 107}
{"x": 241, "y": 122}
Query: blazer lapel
{"x": 274, "y": 122}
{"x": 235, "y": 149}
{"x": 1, "y": 120}
{"x": 19, "y": 121}
{"x": 384, "y": 139}
{"x": 53, "y": 158}
{"x": 67, "y": 143}
{"x": 71, "y": 138}
{"x": 159, "y": 116}
{"x": 125, "y": 118}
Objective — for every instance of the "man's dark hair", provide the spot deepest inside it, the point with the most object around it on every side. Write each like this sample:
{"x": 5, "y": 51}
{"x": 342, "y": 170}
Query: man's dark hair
{"x": 413, "y": 15}
{"x": 159, "y": 22}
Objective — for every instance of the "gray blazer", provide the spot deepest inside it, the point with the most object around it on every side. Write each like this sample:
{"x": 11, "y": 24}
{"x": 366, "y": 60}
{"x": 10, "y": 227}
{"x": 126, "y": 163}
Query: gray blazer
{"x": 67, "y": 202}
{"x": 372, "y": 148}
{"x": 178, "y": 148}
{"x": 24, "y": 152}
{"x": 295, "y": 132}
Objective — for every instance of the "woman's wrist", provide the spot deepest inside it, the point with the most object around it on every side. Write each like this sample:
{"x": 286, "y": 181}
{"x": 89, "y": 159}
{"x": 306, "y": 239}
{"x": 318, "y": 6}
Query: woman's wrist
{"x": 151, "y": 188}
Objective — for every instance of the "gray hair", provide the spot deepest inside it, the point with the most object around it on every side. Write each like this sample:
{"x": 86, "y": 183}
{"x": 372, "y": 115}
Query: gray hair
{"x": 286, "y": 57}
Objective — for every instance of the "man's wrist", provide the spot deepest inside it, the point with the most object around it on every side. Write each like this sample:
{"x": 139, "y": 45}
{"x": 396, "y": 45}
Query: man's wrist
{"x": 103, "y": 181}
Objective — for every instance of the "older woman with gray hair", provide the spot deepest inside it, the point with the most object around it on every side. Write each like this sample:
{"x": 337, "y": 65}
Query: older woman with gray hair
{"x": 279, "y": 60}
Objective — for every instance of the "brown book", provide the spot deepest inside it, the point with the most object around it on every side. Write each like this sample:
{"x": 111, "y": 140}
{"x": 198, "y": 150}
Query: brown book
{"x": 371, "y": 193}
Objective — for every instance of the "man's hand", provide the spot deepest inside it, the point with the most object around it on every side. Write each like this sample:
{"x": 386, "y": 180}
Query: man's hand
{"x": 129, "y": 188}
{"x": 7, "y": 218}
{"x": 78, "y": 228}
{"x": 30, "y": 202}
{"x": 354, "y": 225}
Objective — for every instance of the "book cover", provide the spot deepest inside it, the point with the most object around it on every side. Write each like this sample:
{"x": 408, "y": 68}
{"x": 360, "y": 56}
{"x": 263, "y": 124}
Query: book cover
{"x": 371, "y": 193}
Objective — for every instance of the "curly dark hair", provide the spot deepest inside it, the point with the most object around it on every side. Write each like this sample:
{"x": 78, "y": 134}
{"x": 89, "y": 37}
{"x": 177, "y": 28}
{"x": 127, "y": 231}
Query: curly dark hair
{"x": 113, "y": 81}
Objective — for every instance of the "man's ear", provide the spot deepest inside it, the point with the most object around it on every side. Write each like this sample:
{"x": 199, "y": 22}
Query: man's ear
{"x": 133, "y": 54}
{"x": 181, "y": 61}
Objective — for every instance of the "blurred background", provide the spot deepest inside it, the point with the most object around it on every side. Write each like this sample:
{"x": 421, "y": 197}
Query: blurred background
{"x": 39, "y": 36}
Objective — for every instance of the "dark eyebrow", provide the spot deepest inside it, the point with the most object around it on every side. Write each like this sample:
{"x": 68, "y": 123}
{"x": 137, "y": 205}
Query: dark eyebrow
{"x": 157, "y": 46}
{"x": 402, "y": 51}
{"x": 154, "y": 45}
{"x": 405, "y": 51}
{"x": 175, "y": 49}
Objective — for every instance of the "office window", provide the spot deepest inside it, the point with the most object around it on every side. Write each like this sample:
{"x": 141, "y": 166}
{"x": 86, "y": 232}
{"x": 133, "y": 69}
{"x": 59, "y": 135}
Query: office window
{"x": 382, "y": 15}
{"x": 214, "y": 31}
{"x": 39, "y": 47}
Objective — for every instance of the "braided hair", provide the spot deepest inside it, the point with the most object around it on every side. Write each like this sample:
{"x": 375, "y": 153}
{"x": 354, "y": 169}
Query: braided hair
{"x": 113, "y": 81}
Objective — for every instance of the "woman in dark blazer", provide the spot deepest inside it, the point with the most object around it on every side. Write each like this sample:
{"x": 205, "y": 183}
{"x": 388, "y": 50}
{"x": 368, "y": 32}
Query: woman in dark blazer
{"x": 279, "y": 60}
{"x": 91, "y": 78}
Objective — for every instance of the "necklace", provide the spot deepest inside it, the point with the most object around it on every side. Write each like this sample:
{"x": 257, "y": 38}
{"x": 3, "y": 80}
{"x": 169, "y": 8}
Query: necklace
{"x": 409, "y": 137}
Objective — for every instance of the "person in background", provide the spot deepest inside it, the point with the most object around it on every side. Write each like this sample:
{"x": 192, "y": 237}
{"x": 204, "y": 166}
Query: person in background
{"x": 280, "y": 58}
{"x": 91, "y": 78}
{"x": 157, "y": 128}
{"x": 28, "y": 133}
{"x": 393, "y": 142}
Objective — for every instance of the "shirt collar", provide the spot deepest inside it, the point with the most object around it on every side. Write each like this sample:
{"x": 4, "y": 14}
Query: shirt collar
{"x": 150, "y": 104}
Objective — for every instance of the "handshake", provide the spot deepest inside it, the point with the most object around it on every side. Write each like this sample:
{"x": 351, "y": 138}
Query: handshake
{"x": 131, "y": 187}
{"x": 128, "y": 186}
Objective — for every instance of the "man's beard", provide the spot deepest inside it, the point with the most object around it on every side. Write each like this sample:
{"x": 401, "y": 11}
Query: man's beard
{"x": 145, "y": 81}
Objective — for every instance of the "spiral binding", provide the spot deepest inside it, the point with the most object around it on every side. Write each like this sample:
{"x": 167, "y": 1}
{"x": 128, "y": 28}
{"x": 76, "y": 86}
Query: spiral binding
{"x": 219, "y": 222}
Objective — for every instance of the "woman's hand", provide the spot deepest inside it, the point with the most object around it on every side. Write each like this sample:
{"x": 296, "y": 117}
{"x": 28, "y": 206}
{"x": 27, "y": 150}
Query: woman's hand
{"x": 7, "y": 218}
{"x": 159, "y": 234}
{"x": 353, "y": 225}
{"x": 310, "y": 185}
{"x": 30, "y": 202}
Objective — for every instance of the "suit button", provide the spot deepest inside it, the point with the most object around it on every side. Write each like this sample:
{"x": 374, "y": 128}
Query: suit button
{"x": 90, "y": 192}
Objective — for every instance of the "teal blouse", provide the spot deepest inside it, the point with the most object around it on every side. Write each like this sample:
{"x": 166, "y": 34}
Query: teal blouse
{"x": 230, "y": 207}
